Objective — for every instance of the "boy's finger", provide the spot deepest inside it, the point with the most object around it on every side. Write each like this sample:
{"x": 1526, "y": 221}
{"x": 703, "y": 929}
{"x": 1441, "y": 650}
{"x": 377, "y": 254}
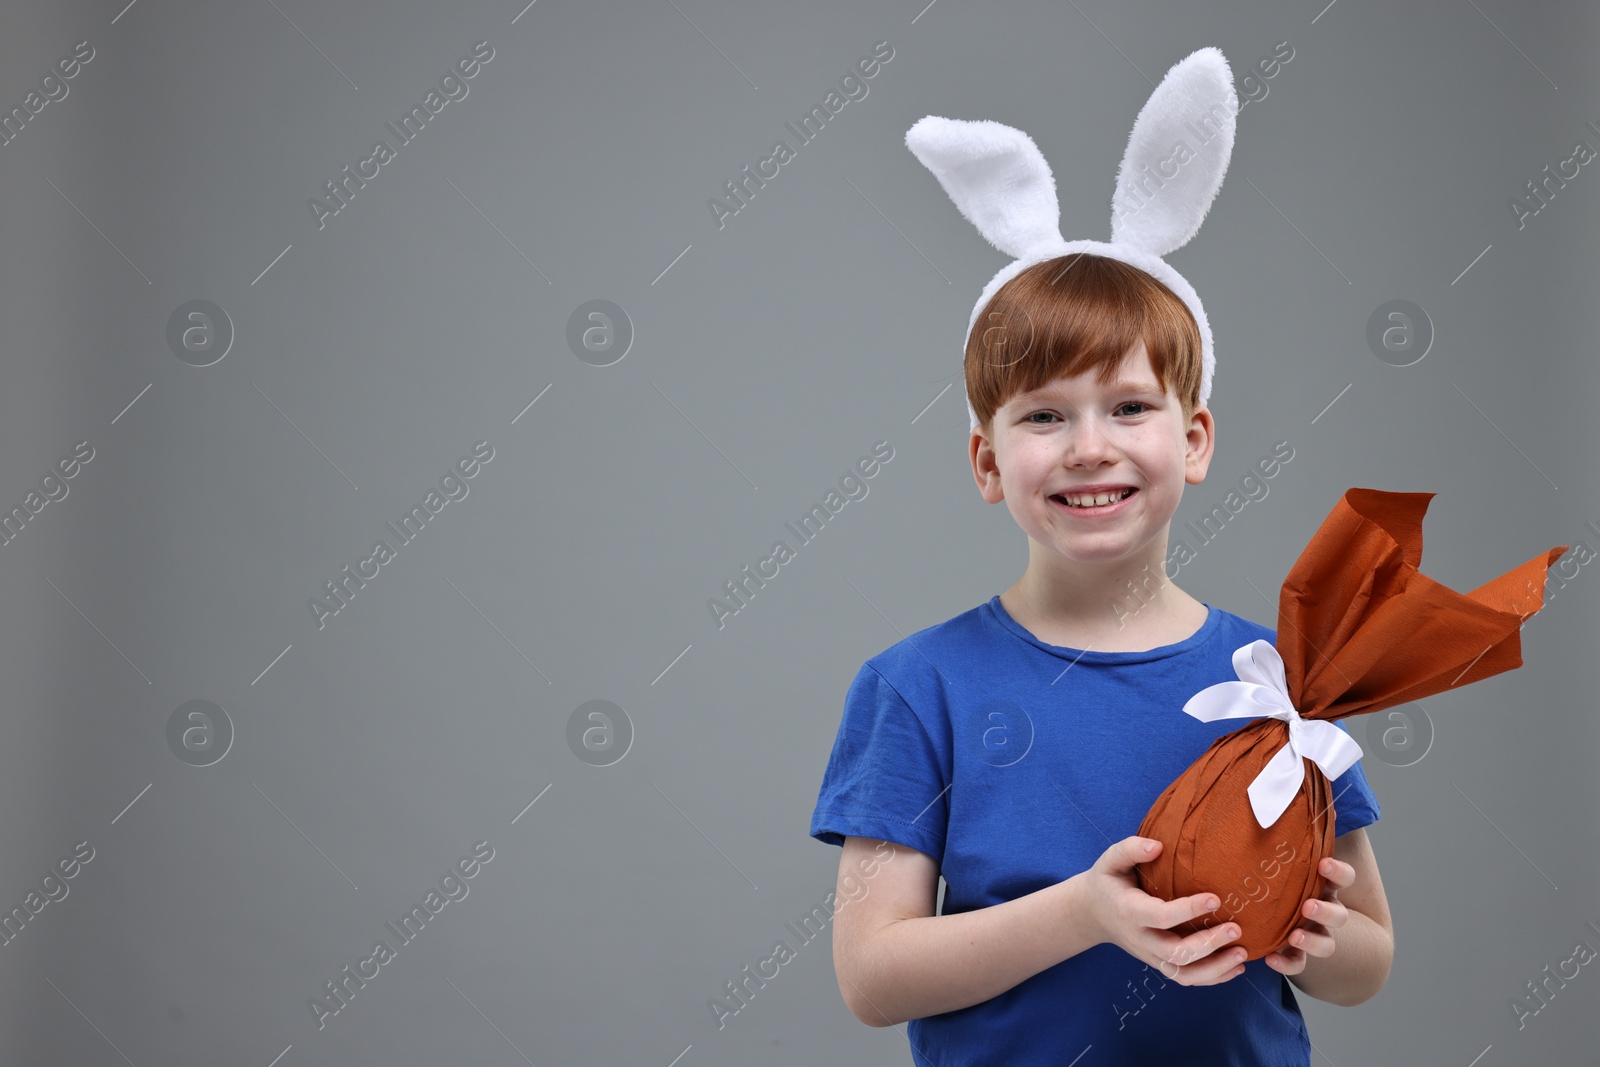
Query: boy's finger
{"x": 1340, "y": 873}
{"x": 1312, "y": 944}
{"x": 1136, "y": 850}
{"x": 1328, "y": 914}
{"x": 1123, "y": 856}
{"x": 1290, "y": 961}
{"x": 1207, "y": 945}
{"x": 1186, "y": 909}
{"x": 1218, "y": 940}
{"x": 1202, "y": 966}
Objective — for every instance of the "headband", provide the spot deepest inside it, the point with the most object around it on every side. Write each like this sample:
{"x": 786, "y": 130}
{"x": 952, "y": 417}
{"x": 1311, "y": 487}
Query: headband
{"x": 1176, "y": 157}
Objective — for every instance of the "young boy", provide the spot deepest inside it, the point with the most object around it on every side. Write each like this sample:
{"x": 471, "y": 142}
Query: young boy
{"x": 1016, "y": 748}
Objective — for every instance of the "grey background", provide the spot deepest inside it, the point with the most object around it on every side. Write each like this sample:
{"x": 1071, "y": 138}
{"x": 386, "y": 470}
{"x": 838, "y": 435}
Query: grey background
{"x": 773, "y": 353}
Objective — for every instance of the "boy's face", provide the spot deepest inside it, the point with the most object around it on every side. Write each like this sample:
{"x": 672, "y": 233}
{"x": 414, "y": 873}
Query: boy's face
{"x": 1073, "y": 433}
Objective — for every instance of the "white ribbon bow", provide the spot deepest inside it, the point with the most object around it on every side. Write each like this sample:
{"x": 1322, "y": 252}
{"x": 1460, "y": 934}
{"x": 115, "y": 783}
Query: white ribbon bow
{"x": 1262, "y": 690}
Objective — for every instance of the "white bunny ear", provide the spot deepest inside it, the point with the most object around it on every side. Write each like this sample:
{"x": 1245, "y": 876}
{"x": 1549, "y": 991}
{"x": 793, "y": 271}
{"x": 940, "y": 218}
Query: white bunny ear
{"x": 997, "y": 178}
{"x": 1177, "y": 155}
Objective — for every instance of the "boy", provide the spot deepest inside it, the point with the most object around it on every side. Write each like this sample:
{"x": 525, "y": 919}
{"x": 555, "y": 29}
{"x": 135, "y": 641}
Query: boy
{"x": 1017, "y": 747}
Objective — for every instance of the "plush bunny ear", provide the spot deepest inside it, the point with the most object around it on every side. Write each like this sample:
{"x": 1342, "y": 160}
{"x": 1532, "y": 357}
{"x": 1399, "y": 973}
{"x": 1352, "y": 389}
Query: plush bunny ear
{"x": 997, "y": 178}
{"x": 1177, "y": 155}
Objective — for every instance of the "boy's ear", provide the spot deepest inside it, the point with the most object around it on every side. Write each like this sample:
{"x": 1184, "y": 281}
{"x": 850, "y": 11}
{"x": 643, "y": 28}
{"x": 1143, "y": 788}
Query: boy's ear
{"x": 1201, "y": 444}
{"x": 985, "y": 467}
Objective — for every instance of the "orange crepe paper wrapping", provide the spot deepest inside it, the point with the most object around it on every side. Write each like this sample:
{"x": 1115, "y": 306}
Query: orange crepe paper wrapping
{"x": 1360, "y": 629}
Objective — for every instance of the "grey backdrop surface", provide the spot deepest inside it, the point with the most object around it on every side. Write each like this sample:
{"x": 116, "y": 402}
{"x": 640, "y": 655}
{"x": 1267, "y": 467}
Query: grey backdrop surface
{"x": 368, "y": 755}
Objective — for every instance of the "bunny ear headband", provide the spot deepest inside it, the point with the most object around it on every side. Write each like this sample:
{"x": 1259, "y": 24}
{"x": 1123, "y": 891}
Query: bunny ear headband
{"x": 1176, "y": 157}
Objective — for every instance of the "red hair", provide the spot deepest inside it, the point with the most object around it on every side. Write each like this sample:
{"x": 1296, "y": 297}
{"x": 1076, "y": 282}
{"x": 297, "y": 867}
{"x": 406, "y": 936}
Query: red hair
{"x": 1075, "y": 313}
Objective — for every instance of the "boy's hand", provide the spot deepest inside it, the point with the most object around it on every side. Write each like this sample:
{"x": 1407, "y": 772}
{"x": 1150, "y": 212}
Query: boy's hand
{"x": 1119, "y": 912}
{"x": 1313, "y": 937}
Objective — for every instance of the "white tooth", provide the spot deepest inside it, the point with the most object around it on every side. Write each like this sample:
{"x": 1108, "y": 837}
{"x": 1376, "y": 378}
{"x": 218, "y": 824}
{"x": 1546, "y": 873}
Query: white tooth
{"x": 1095, "y": 500}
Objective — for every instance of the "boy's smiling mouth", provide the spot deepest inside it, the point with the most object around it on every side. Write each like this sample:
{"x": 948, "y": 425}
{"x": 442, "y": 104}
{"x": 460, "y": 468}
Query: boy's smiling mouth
{"x": 1095, "y": 502}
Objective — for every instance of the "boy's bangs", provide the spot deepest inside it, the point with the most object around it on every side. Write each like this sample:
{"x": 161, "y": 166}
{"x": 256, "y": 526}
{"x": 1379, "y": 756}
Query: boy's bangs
{"x": 1075, "y": 313}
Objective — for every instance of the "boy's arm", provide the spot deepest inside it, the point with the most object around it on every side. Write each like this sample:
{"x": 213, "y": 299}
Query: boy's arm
{"x": 1364, "y": 944}
{"x": 895, "y": 960}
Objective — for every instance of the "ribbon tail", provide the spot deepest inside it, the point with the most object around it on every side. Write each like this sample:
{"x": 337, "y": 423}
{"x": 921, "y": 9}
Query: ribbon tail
{"x": 1276, "y": 785}
{"x": 1328, "y": 747}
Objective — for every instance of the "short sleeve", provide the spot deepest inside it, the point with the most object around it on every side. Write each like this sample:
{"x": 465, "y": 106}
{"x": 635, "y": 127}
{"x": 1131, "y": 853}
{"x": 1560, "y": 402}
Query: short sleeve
{"x": 1354, "y": 803}
{"x": 885, "y": 776}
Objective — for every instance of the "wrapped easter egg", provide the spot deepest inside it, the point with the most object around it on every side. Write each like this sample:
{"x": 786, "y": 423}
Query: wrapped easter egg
{"x": 1360, "y": 629}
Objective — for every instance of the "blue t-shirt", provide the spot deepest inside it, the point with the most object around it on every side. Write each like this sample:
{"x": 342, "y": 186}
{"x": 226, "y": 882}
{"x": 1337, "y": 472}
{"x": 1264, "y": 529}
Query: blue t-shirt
{"x": 1014, "y": 764}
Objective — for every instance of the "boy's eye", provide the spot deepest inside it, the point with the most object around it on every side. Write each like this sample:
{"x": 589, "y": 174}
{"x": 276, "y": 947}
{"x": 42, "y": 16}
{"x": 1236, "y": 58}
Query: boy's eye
{"x": 1120, "y": 407}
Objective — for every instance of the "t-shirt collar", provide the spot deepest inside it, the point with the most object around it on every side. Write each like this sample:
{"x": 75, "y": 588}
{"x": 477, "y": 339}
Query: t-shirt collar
{"x": 995, "y": 613}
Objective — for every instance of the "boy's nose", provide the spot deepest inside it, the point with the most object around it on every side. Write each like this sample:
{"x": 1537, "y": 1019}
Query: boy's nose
{"x": 1087, "y": 443}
